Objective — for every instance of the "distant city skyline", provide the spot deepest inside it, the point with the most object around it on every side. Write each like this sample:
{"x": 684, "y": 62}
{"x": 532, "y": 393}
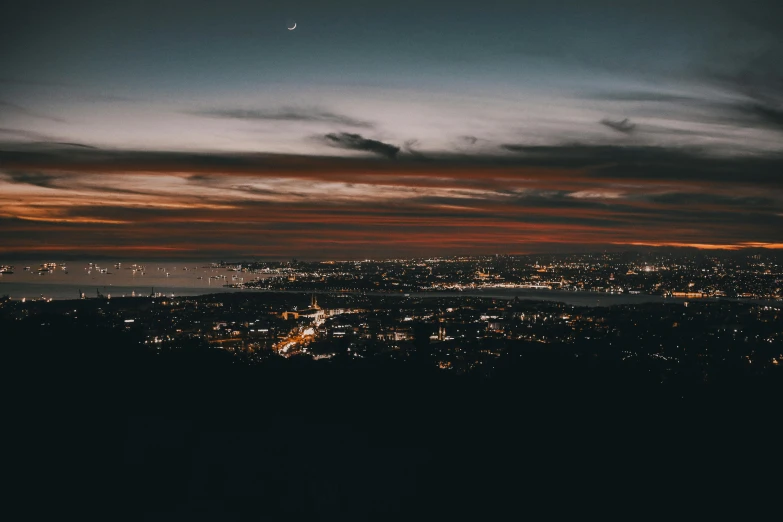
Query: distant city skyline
{"x": 199, "y": 130}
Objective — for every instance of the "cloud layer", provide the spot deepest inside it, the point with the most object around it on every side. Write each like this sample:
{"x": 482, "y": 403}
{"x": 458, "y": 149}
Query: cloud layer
{"x": 74, "y": 200}
{"x": 516, "y": 126}
{"x": 291, "y": 114}
{"x": 345, "y": 140}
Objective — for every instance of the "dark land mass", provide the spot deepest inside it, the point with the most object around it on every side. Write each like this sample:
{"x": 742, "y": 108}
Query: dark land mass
{"x": 101, "y": 424}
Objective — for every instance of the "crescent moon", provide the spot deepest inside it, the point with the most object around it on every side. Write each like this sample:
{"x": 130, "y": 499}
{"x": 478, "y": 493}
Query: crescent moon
{"x": 292, "y": 28}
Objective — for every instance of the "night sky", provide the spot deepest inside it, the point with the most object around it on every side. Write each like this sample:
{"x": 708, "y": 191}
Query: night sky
{"x": 383, "y": 129}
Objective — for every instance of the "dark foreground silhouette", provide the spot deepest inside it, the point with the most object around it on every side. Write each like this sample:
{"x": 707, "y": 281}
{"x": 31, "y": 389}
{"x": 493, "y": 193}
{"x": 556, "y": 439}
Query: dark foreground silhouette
{"x": 101, "y": 426}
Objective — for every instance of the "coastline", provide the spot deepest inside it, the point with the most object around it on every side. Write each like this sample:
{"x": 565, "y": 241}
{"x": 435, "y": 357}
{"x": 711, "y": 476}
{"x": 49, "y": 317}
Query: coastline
{"x": 67, "y": 292}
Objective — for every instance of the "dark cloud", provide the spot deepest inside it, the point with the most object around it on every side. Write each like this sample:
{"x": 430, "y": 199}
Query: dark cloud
{"x": 654, "y": 163}
{"x": 349, "y": 141}
{"x": 770, "y": 115}
{"x": 39, "y": 179}
{"x": 13, "y": 107}
{"x": 271, "y": 192}
{"x": 624, "y": 126}
{"x": 581, "y": 155}
{"x": 72, "y": 144}
{"x": 90, "y": 158}
{"x": 752, "y": 99}
{"x": 286, "y": 114}
{"x": 44, "y": 155}
{"x": 755, "y": 74}
{"x": 128, "y": 213}
{"x": 410, "y": 146}
{"x": 469, "y": 139}
{"x": 759, "y": 86}
{"x": 754, "y": 68}
{"x": 669, "y": 131}
{"x": 42, "y": 141}
{"x": 21, "y": 133}
{"x": 581, "y": 205}
{"x": 204, "y": 179}
{"x": 690, "y": 198}
{"x": 639, "y": 96}
{"x": 592, "y": 161}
